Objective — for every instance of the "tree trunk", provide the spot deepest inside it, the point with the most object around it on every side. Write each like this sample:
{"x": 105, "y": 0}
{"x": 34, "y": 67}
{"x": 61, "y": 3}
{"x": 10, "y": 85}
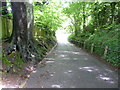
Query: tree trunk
{"x": 22, "y": 37}
{"x": 112, "y": 11}
{"x": 84, "y": 16}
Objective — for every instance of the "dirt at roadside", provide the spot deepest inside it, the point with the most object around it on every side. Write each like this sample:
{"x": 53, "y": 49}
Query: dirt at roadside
{"x": 15, "y": 80}
{"x": 11, "y": 80}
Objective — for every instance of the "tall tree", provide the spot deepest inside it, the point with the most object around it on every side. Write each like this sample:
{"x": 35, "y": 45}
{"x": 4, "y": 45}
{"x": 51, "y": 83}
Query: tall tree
{"x": 83, "y": 16}
{"x": 22, "y": 37}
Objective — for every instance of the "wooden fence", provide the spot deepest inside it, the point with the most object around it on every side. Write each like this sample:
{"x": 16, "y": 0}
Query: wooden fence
{"x": 6, "y": 27}
{"x": 106, "y": 49}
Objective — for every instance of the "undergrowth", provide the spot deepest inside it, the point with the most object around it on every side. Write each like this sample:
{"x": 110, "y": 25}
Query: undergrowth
{"x": 13, "y": 62}
{"x": 106, "y": 35}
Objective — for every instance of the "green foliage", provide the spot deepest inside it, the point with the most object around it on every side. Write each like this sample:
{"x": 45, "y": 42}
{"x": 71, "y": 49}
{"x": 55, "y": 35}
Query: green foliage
{"x": 47, "y": 16}
{"x": 102, "y": 38}
{"x": 96, "y": 23}
{"x": 12, "y": 62}
{"x": 8, "y": 11}
{"x": 0, "y": 55}
{"x": 6, "y": 61}
{"x": 18, "y": 62}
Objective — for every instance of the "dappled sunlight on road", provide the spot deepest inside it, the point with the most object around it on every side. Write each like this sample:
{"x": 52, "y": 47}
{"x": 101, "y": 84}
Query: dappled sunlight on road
{"x": 67, "y": 65}
{"x": 89, "y": 69}
{"x": 49, "y": 60}
{"x": 62, "y": 37}
{"x": 106, "y": 78}
{"x": 56, "y": 86}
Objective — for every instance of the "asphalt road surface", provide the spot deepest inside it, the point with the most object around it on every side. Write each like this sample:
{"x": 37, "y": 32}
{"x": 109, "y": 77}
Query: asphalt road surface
{"x": 68, "y": 66}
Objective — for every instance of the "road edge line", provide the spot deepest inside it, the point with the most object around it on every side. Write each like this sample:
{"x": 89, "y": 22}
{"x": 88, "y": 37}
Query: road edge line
{"x": 22, "y": 85}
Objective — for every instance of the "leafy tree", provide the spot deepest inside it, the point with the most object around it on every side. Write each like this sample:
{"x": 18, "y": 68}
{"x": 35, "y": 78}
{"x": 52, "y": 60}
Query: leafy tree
{"x": 47, "y": 17}
{"x": 91, "y": 20}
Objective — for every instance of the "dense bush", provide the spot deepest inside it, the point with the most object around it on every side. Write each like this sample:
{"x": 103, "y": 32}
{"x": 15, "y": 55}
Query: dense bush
{"x": 104, "y": 36}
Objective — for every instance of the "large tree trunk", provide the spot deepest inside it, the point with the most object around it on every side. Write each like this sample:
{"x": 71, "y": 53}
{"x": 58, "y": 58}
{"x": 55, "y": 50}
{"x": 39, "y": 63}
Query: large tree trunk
{"x": 22, "y": 37}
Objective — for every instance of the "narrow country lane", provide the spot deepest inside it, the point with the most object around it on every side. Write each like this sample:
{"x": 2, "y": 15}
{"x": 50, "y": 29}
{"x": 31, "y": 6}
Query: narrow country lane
{"x": 68, "y": 66}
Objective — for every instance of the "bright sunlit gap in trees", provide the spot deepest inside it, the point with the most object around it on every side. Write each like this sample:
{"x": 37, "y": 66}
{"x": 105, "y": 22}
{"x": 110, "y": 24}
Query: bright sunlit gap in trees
{"x": 62, "y": 36}
{"x": 62, "y": 33}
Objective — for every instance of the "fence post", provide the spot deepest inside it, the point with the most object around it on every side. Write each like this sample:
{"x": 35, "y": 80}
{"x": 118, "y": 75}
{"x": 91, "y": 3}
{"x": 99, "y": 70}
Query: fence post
{"x": 105, "y": 51}
{"x": 84, "y": 45}
{"x": 92, "y": 47}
